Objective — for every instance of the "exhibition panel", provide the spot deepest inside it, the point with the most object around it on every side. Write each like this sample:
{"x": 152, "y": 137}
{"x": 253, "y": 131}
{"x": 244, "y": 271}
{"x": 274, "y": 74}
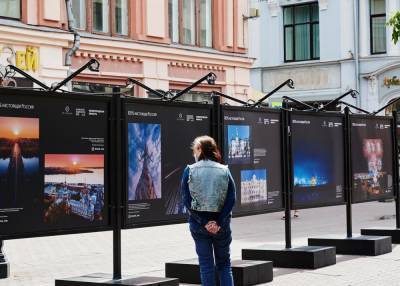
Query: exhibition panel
{"x": 252, "y": 149}
{"x": 158, "y": 140}
{"x": 317, "y": 151}
{"x": 54, "y": 153}
{"x": 371, "y": 158}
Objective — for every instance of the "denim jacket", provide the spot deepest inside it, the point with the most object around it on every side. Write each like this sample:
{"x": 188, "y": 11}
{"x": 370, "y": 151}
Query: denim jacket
{"x": 208, "y": 185}
{"x": 201, "y": 218}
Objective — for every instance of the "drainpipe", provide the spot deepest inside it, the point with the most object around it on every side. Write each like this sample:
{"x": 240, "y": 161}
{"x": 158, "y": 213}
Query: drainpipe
{"x": 357, "y": 48}
{"x": 77, "y": 40}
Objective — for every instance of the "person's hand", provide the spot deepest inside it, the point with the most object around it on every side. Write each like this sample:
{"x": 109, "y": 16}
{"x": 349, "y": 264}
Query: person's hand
{"x": 212, "y": 227}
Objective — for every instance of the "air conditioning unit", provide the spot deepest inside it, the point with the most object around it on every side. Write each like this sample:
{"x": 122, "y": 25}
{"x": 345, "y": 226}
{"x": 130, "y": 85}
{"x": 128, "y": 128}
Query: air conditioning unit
{"x": 253, "y": 13}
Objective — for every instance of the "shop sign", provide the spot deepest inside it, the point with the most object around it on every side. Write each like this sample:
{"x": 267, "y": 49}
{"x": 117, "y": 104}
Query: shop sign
{"x": 26, "y": 58}
{"x": 391, "y": 81}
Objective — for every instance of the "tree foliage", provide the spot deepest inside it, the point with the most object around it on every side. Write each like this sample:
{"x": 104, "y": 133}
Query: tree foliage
{"x": 394, "y": 22}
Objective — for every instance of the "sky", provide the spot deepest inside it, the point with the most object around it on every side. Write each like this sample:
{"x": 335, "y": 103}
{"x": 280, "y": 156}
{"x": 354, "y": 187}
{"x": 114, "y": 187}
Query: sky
{"x": 243, "y": 130}
{"x": 247, "y": 175}
{"x": 74, "y": 160}
{"x": 19, "y": 127}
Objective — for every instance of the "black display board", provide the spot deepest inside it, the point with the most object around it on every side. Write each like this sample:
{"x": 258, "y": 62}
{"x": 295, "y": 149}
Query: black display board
{"x": 53, "y": 163}
{"x": 317, "y": 147}
{"x": 252, "y": 150}
{"x": 371, "y": 158}
{"x": 159, "y": 137}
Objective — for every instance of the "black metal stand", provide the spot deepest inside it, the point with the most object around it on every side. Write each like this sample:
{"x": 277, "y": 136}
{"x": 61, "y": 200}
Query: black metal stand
{"x": 10, "y": 69}
{"x": 354, "y": 107}
{"x": 4, "y": 265}
{"x": 288, "y": 82}
{"x": 117, "y": 204}
{"x": 210, "y": 78}
{"x": 337, "y": 100}
{"x": 393, "y": 232}
{"x": 142, "y": 85}
{"x": 93, "y": 65}
{"x": 101, "y": 279}
{"x": 229, "y": 97}
{"x": 288, "y": 98}
{"x": 216, "y": 120}
{"x": 286, "y": 140}
{"x": 306, "y": 257}
{"x": 386, "y": 106}
{"x": 353, "y": 245}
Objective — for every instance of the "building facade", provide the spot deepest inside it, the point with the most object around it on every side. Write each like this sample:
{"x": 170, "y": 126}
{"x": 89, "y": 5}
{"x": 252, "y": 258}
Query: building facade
{"x": 166, "y": 44}
{"x": 327, "y": 47}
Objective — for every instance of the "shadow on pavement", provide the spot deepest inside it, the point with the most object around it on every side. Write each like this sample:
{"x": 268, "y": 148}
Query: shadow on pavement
{"x": 343, "y": 258}
{"x": 285, "y": 271}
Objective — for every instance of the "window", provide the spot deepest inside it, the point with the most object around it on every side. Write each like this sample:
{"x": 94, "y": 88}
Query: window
{"x": 10, "y": 8}
{"x": 173, "y": 23}
{"x": 99, "y": 88}
{"x": 194, "y": 96}
{"x": 205, "y": 23}
{"x": 121, "y": 17}
{"x": 378, "y": 26}
{"x": 101, "y": 10}
{"x": 190, "y": 22}
{"x": 102, "y": 16}
{"x": 301, "y": 32}
{"x": 79, "y": 12}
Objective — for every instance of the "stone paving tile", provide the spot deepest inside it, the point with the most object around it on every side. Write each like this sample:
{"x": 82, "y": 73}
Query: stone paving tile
{"x": 39, "y": 261}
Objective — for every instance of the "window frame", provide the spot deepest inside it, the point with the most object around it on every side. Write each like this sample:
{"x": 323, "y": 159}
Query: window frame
{"x": 86, "y": 17}
{"x": 111, "y": 20}
{"x": 310, "y": 24}
{"x": 114, "y": 20}
{"x": 197, "y": 25}
{"x": 20, "y": 13}
{"x": 371, "y": 32}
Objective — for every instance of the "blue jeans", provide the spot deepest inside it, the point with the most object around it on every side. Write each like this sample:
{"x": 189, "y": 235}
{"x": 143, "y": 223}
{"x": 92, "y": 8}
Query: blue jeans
{"x": 209, "y": 246}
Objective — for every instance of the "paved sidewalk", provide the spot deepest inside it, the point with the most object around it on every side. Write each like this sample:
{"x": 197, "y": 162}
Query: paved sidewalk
{"x": 39, "y": 261}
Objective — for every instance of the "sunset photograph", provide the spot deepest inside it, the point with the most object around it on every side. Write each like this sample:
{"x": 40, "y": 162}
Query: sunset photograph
{"x": 19, "y": 127}
{"x": 19, "y": 158}
{"x": 74, "y": 188}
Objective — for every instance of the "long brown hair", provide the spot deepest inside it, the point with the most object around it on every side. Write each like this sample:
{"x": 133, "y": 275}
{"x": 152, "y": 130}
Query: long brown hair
{"x": 208, "y": 147}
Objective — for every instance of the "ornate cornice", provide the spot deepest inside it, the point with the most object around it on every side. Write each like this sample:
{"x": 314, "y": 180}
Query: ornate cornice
{"x": 196, "y": 66}
{"x": 105, "y": 56}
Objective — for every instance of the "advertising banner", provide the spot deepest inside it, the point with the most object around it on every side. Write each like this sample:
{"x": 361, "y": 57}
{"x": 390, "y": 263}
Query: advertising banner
{"x": 371, "y": 158}
{"x": 53, "y": 163}
{"x": 159, "y": 137}
{"x": 252, "y": 150}
{"x": 317, "y": 160}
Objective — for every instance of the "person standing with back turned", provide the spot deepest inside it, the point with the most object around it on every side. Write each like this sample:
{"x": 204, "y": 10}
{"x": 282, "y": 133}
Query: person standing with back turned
{"x": 209, "y": 194}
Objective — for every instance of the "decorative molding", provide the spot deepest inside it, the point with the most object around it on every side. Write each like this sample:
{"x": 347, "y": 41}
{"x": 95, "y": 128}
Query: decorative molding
{"x": 102, "y": 56}
{"x": 373, "y": 82}
{"x": 273, "y": 7}
{"x": 323, "y": 4}
{"x": 196, "y": 66}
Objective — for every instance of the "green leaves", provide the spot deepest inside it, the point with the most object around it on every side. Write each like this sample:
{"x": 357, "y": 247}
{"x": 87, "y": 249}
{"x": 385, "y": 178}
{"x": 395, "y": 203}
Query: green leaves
{"x": 394, "y": 22}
